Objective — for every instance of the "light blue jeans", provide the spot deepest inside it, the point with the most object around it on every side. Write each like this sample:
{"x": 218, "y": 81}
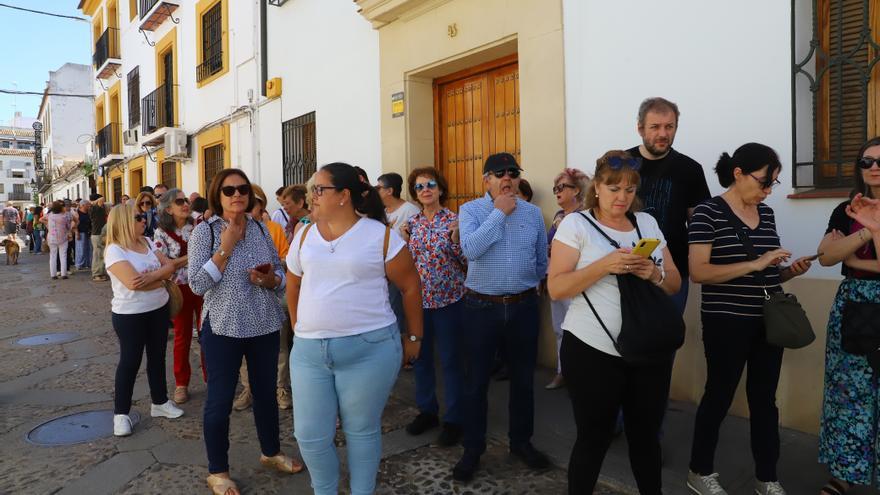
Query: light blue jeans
{"x": 350, "y": 377}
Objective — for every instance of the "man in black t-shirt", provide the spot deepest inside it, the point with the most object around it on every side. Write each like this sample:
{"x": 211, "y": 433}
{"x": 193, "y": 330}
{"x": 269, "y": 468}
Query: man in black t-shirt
{"x": 672, "y": 183}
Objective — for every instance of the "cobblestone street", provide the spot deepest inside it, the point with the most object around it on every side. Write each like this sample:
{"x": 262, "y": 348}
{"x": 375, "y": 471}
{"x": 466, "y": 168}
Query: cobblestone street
{"x": 41, "y": 382}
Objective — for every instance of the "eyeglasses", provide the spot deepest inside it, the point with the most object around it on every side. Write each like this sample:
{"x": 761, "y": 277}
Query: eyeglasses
{"x": 381, "y": 186}
{"x": 181, "y": 201}
{"x": 146, "y": 203}
{"x": 616, "y": 162}
{"x": 319, "y": 190}
{"x": 512, "y": 172}
{"x": 561, "y": 187}
{"x": 766, "y": 182}
{"x": 431, "y": 184}
{"x": 140, "y": 217}
{"x": 866, "y": 162}
{"x": 229, "y": 191}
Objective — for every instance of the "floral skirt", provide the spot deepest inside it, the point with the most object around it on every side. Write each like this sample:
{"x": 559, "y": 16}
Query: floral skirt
{"x": 848, "y": 435}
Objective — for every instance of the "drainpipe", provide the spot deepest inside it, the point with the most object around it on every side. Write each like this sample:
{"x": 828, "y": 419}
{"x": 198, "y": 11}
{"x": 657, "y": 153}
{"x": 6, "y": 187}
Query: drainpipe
{"x": 261, "y": 81}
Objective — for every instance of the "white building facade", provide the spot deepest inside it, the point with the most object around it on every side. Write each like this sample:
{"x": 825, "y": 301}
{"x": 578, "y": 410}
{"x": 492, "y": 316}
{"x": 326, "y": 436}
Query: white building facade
{"x": 17, "y": 165}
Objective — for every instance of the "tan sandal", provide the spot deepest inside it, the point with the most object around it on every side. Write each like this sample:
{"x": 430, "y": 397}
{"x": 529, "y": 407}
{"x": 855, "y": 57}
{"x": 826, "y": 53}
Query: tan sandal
{"x": 221, "y": 486}
{"x": 181, "y": 395}
{"x": 282, "y": 463}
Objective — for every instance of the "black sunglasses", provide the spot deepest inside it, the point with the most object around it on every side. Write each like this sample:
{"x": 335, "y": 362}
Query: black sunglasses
{"x": 431, "y": 184}
{"x": 616, "y": 162}
{"x": 140, "y": 217}
{"x": 560, "y": 187}
{"x": 866, "y": 162}
{"x": 229, "y": 191}
{"x": 146, "y": 203}
{"x": 512, "y": 172}
{"x": 181, "y": 201}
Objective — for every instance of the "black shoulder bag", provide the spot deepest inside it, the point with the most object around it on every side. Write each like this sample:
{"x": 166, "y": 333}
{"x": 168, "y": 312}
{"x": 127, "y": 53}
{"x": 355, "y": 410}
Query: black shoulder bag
{"x": 653, "y": 328}
{"x": 785, "y": 321}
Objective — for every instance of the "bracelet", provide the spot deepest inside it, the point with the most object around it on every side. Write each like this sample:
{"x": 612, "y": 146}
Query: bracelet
{"x": 861, "y": 237}
{"x": 662, "y": 277}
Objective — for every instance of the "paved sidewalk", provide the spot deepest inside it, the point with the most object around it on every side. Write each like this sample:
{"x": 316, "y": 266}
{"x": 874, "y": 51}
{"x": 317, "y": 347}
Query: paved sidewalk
{"x": 167, "y": 456}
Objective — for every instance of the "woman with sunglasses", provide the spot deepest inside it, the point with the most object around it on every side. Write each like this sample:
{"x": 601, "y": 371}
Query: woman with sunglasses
{"x": 172, "y": 240}
{"x": 146, "y": 204}
{"x": 139, "y": 313}
{"x": 235, "y": 267}
{"x": 852, "y": 239}
{"x": 433, "y": 239}
{"x": 347, "y": 351}
{"x": 734, "y": 287}
{"x": 570, "y": 187}
{"x": 584, "y": 270}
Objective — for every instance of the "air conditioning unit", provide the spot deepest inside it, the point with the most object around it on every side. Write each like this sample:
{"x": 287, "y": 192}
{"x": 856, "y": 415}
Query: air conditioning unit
{"x": 175, "y": 144}
{"x": 130, "y": 137}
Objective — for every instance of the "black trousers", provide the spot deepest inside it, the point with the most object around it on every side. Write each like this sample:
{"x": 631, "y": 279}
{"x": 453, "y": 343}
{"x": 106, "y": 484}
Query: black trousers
{"x": 730, "y": 345}
{"x": 600, "y": 385}
{"x": 137, "y": 332}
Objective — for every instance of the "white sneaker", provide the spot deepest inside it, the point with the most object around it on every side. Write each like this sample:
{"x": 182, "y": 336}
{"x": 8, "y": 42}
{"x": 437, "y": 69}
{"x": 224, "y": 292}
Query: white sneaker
{"x": 121, "y": 425}
{"x": 768, "y": 488}
{"x": 166, "y": 410}
{"x": 705, "y": 485}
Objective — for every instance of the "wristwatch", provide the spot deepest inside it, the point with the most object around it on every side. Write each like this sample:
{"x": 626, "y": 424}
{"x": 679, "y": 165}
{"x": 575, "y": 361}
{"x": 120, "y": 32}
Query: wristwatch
{"x": 221, "y": 252}
{"x": 413, "y": 338}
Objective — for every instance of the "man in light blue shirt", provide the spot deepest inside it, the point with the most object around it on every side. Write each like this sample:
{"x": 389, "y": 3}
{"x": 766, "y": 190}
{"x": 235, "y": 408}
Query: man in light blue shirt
{"x": 505, "y": 243}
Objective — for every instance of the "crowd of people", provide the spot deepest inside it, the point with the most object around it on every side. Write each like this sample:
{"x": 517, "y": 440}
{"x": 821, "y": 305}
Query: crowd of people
{"x": 345, "y": 283}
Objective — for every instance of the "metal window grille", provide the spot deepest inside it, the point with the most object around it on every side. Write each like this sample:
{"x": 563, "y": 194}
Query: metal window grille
{"x": 299, "y": 146}
{"x": 134, "y": 97}
{"x": 169, "y": 174}
{"x": 106, "y": 47}
{"x": 117, "y": 189}
{"x": 213, "y": 163}
{"x": 212, "y": 43}
{"x": 837, "y": 68}
{"x": 157, "y": 109}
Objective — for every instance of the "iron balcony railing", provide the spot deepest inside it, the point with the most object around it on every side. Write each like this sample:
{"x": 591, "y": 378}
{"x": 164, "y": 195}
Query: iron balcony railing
{"x": 157, "y": 109}
{"x": 20, "y": 196}
{"x": 210, "y": 66}
{"x": 106, "y": 47}
{"x": 145, "y": 6}
{"x": 108, "y": 140}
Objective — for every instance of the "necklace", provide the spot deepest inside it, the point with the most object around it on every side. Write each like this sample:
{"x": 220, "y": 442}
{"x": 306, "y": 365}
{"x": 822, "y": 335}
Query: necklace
{"x": 333, "y": 245}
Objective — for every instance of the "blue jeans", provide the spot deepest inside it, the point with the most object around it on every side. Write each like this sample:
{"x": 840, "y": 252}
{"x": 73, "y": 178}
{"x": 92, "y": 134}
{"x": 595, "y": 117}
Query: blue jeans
{"x": 222, "y": 360}
{"x": 486, "y": 324}
{"x": 680, "y": 298}
{"x": 38, "y": 241}
{"x": 83, "y": 251}
{"x": 444, "y": 325}
{"x": 350, "y": 377}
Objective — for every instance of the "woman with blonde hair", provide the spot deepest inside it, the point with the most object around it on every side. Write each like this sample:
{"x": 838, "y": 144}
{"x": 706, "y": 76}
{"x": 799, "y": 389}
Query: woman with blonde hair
{"x": 139, "y": 313}
{"x": 146, "y": 204}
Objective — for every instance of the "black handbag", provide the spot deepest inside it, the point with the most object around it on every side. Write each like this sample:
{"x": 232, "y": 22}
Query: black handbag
{"x": 653, "y": 328}
{"x": 860, "y": 331}
{"x": 785, "y": 321}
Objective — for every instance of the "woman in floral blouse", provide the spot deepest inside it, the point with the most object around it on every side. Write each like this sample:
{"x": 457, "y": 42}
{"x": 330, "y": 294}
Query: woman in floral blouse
{"x": 172, "y": 238}
{"x": 434, "y": 242}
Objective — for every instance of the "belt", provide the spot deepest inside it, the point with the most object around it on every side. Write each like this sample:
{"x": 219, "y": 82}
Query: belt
{"x": 505, "y": 299}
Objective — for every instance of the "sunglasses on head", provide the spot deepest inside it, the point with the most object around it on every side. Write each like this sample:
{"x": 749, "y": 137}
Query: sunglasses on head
{"x": 512, "y": 172}
{"x": 140, "y": 217}
{"x": 181, "y": 201}
{"x": 229, "y": 191}
{"x": 431, "y": 184}
{"x": 561, "y": 187}
{"x": 616, "y": 162}
{"x": 867, "y": 162}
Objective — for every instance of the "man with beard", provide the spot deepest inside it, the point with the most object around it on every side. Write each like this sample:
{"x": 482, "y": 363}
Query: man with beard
{"x": 672, "y": 183}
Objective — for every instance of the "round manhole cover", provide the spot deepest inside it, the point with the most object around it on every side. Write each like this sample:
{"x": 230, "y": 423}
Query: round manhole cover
{"x": 76, "y": 428}
{"x": 48, "y": 338}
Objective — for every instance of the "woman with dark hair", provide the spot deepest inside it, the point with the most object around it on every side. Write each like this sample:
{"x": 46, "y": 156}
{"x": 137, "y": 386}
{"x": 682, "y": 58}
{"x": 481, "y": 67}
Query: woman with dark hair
{"x": 235, "y": 267}
{"x": 347, "y": 350}
{"x": 433, "y": 239}
{"x": 852, "y": 239}
{"x": 58, "y": 227}
{"x": 734, "y": 287}
{"x": 146, "y": 204}
{"x": 172, "y": 240}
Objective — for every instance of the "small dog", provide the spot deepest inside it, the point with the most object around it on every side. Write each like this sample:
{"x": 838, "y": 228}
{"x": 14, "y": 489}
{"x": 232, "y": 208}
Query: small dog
{"x": 12, "y": 250}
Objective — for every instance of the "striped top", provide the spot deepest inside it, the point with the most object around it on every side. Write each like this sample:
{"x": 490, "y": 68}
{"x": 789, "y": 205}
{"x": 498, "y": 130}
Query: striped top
{"x": 742, "y": 297}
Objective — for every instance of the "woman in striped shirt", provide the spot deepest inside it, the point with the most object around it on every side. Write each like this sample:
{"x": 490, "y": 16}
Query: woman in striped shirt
{"x": 734, "y": 287}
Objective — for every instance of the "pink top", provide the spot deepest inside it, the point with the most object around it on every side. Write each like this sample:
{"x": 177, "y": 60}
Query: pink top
{"x": 59, "y": 226}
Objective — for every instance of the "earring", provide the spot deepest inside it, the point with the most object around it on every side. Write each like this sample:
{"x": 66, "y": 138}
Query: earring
{"x": 597, "y": 195}
{"x": 341, "y": 203}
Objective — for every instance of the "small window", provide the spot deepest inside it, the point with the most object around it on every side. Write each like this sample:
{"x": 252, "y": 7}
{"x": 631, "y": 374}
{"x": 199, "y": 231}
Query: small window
{"x": 117, "y": 189}
{"x": 6, "y": 144}
{"x": 1, "y": 188}
{"x": 134, "y": 97}
{"x": 18, "y": 174}
{"x": 212, "y": 43}
{"x": 299, "y": 149}
{"x": 213, "y": 163}
{"x": 169, "y": 174}
{"x": 18, "y": 188}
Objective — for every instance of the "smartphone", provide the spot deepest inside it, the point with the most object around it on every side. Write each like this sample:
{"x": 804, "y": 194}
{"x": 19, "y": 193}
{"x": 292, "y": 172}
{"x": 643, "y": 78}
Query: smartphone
{"x": 815, "y": 256}
{"x": 645, "y": 247}
{"x": 263, "y": 268}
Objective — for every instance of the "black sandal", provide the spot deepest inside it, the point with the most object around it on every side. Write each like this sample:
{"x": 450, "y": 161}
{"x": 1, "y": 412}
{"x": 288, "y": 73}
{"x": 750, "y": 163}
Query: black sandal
{"x": 835, "y": 487}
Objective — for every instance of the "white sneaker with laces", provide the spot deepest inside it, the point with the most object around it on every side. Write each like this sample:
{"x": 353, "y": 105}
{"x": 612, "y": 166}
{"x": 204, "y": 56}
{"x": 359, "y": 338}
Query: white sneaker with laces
{"x": 768, "y": 488}
{"x": 705, "y": 485}
{"x": 166, "y": 410}
{"x": 121, "y": 425}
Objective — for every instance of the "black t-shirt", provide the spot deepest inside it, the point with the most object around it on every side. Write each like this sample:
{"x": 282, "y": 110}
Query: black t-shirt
{"x": 98, "y": 216}
{"x": 670, "y": 186}
{"x": 85, "y": 223}
{"x": 841, "y": 221}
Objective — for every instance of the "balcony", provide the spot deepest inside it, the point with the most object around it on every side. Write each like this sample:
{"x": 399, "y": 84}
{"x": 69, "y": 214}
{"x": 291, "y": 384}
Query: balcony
{"x": 106, "y": 57}
{"x": 109, "y": 144}
{"x": 209, "y": 67}
{"x": 154, "y": 12}
{"x": 157, "y": 114}
{"x": 19, "y": 196}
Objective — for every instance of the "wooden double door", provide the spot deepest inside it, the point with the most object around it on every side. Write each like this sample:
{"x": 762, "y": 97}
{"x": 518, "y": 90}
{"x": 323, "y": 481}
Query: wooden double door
{"x": 476, "y": 114}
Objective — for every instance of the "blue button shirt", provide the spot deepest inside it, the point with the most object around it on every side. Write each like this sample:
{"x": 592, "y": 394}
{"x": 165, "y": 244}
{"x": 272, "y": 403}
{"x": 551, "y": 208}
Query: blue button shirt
{"x": 507, "y": 254}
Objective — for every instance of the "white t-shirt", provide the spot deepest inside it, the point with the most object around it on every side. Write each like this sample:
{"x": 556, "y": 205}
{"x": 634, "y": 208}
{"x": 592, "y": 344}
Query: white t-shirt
{"x": 127, "y": 301}
{"x": 401, "y": 215}
{"x": 280, "y": 217}
{"x": 344, "y": 292}
{"x": 576, "y": 232}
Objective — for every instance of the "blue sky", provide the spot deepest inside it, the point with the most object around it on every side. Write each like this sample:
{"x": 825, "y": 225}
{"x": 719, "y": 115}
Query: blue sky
{"x": 34, "y": 44}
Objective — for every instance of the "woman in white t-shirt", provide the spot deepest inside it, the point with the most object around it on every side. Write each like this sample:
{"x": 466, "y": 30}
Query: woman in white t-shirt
{"x": 600, "y": 382}
{"x": 347, "y": 349}
{"x": 139, "y": 313}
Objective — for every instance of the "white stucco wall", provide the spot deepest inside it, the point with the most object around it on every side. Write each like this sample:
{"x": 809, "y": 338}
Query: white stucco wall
{"x": 727, "y": 66}
{"x": 72, "y": 119}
